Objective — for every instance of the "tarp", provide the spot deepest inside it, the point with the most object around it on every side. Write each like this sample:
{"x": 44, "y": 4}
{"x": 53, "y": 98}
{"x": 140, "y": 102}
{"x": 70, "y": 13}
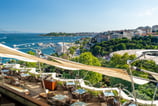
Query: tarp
{"x": 6, "y": 51}
{"x": 65, "y": 64}
{"x": 17, "y": 57}
{"x": 155, "y": 76}
{"x": 119, "y": 73}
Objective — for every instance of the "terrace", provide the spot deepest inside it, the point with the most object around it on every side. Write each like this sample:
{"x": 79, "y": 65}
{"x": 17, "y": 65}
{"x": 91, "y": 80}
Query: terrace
{"x": 16, "y": 79}
{"x": 29, "y": 82}
{"x": 67, "y": 92}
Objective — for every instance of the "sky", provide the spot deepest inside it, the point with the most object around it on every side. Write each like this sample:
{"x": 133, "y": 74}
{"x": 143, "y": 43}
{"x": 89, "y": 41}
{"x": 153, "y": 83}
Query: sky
{"x": 44, "y": 16}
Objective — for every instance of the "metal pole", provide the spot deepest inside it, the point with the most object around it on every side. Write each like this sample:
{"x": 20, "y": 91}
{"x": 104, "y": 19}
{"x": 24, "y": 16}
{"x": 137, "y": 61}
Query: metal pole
{"x": 154, "y": 94}
{"x": 120, "y": 93}
{"x": 132, "y": 82}
{"x": 39, "y": 66}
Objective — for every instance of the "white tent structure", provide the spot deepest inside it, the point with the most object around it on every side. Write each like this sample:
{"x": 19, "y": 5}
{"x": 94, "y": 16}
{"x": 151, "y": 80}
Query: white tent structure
{"x": 6, "y": 51}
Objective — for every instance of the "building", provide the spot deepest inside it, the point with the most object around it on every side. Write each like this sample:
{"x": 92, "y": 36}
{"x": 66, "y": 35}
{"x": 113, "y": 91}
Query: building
{"x": 143, "y": 30}
{"x": 155, "y": 28}
{"x": 128, "y": 34}
{"x": 105, "y": 36}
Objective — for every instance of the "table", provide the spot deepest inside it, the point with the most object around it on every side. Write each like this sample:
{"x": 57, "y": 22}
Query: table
{"x": 79, "y": 104}
{"x": 4, "y": 71}
{"x": 80, "y": 91}
{"x": 23, "y": 70}
{"x": 108, "y": 94}
{"x": 70, "y": 83}
{"x": 60, "y": 98}
{"x": 132, "y": 105}
{"x": 24, "y": 75}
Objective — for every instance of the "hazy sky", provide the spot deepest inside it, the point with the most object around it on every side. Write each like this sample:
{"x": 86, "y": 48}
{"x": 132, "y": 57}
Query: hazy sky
{"x": 76, "y": 15}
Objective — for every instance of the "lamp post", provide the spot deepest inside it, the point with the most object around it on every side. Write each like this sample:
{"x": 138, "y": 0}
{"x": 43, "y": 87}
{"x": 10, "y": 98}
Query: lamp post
{"x": 154, "y": 94}
{"x": 38, "y": 54}
{"x": 129, "y": 62}
{"x": 132, "y": 82}
{"x": 120, "y": 86}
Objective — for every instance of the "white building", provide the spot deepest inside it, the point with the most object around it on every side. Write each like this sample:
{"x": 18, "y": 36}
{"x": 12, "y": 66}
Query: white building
{"x": 139, "y": 32}
{"x": 62, "y": 47}
{"x": 155, "y": 28}
{"x": 128, "y": 34}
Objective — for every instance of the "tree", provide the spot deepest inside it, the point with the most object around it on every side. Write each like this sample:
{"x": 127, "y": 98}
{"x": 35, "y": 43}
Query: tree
{"x": 72, "y": 51}
{"x": 137, "y": 42}
{"x": 120, "y": 61}
{"x": 89, "y": 59}
{"x": 31, "y": 52}
{"x": 121, "y": 46}
{"x": 97, "y": 50}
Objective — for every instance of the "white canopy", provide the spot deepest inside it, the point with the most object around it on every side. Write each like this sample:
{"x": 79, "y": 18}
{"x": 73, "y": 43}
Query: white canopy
{"x": 65, "y": 64}
{"x": 17, "y": 57}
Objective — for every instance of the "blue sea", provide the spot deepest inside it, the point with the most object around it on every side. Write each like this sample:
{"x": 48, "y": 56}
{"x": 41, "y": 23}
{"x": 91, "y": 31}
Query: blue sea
{"x": 25, "y": 41}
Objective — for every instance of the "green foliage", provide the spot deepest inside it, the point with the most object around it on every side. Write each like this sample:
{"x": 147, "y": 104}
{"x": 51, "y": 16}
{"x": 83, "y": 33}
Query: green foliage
{"x": 137, "y": 42}
{"x": 120, "y": 61}
{"x": 89, "y": 59}
{"x": 31, "y": 53}
{"x": 28, "y": 64}
{"x": 94, "y": 93}
{"x": 149, "y": 65}
{"x": 123, "y": 101}
{"x": 143, "y": 91}
{"x": 49, "y": 68}
{"x": 115, "y": 93}
{"x": 59, "y": 34}
{"x": 67, "y": 34}
{"x": 14, "y": 69}
{"x": 146, "y": 91}
{"x": 140, "y": 74}
{"x": 146, "y": 64}
{"x": 124, "y": 84}
{"x": 72, "y": 50}
{"x": 65, "y": 56}
{"x": 59, "y": 82}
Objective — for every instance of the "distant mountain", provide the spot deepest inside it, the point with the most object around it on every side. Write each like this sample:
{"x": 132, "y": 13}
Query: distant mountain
{"x": 4, "y": 31}
{"x": 69, "y": 34}
{"x": 17, "y": 32}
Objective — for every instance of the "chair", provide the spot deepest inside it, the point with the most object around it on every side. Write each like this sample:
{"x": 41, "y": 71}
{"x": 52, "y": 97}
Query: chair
{"x": 68, "y": 102}
{"x": 72, "y": 89}
{"x": 110, "y": 101}
{"x": 73, "y": 101}
{"x": 64, "y": 87}
{"x": 75, "y": 96}
{"x": 50, "y": 94}
{"x": 103, "y": 104}
{"x": 86, "y": 97}
{"x": 101, "y": 98}
{"x": 66, "y": 92}
{"x": 43, "y": 95}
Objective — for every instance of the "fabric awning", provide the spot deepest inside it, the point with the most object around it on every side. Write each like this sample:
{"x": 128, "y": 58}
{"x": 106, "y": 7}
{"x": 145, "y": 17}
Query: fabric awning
{"x": 65, "y": 64}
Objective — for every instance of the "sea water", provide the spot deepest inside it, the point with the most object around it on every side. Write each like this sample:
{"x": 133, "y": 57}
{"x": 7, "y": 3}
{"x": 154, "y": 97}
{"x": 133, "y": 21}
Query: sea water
{"x": 28, "y": 41}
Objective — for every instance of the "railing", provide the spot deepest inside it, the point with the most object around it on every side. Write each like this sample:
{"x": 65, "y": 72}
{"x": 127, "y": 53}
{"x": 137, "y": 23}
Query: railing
{"x": 122, "y": 93}
{"x": 82, "y": 84}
